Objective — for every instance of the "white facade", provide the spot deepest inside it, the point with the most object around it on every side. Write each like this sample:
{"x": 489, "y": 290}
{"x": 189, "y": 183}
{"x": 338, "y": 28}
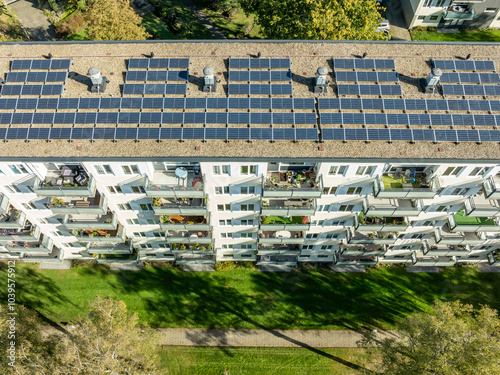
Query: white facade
{"x": 269, "y": 212}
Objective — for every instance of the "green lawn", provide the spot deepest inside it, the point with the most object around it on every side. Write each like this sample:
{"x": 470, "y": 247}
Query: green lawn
{"x": 191, "y": 27}
{"x": 236, "y": 25}
{"x": 466, "y": 35}
{"x": 245, "y": 298}
{"x": 80, "y": 35}
{"x": 262, "y": 361}
{"x": 157, "y": 28}
{"x": 462, "y": 219}
{"x": 284, "y": 220}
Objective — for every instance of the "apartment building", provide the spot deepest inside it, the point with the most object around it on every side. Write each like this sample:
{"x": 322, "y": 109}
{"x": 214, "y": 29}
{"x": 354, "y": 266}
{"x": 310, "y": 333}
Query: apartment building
{"x": 451, "y": 13}
{"x": 288, "y": 176}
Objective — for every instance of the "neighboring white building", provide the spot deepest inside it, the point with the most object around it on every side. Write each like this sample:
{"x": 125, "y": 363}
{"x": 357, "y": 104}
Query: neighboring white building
{"x": 451, "y": 13}
{"x": 297, "y": 197}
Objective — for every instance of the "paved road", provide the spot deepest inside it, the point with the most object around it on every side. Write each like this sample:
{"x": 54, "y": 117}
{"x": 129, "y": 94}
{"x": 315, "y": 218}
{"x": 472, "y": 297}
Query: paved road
{"x": 258, "y": 337}
{"x": 394, "y": 13}
{"x": 34, "y": 20}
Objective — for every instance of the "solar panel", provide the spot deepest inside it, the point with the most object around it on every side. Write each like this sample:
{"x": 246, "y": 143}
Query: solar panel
{"x": 107, "y": 117}
{"x": 11, "y": 89}
{"x": 364, "y": 64}
{"x": 153, "y": 88}
{"x": 110, "y": 103}
{"x": 283, "y": 134}
{"x": 85, "y": 118}
{"x": 129, "y": 117}
{"x": 264, "y": 103}
{"x": 32, "y": 89}
{"x": 47, "y": 64}
{"x": 261, "y": 133}
{"x": 174, "y": 75}
{"x": 218, "y": 102}
{"x": 196, "y": 103}
{"x": 23, "y": 103}
{"x": 216, "y": 133}
{"x": 5, "y": 118}
{"x": 259, "y": 63}
{"x": 50, "y": 89}
{"x": 329, "y": 103}
{"x": 16, "y": 76}
{"x": 69, "y": 118}
{"x": 363, "y": 76}
{"x": 298, "y": 103}
{"x": 477, "y": 65}
{"x": 57, "y": 64}
{"x": 238, "y": 133}
{"x": 8, "y": 103}
{"x": 353, "y": 89}
{"x": 259, "y": 89}
{"x": 216, "y": 118}
{"x": 136, "y": 75}
{"x": 43, "y": 118}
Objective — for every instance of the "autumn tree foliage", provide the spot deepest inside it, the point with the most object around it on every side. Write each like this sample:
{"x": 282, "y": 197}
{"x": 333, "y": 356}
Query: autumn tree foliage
{"x": 113, "y": 20}
{"x": 317, "y": 19}
{"x": 453, "y": 339}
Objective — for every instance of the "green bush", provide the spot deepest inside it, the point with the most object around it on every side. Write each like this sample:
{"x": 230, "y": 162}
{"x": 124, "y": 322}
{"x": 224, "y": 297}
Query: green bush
{"x": 53, "y": 5}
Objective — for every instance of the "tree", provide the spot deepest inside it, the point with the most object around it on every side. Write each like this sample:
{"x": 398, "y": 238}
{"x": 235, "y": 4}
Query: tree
{"x": 317, "y": 19}
{"x": 113, "y": 20}
{"x": 453, "y": 339}
{"x": 106, "y": 341}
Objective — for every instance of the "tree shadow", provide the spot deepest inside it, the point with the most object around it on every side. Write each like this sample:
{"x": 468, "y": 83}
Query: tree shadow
{"x": 33, "y": 290}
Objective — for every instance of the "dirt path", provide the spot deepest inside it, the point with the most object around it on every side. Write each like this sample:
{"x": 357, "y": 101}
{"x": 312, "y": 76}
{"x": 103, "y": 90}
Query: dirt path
{"x": 214, "y": 30}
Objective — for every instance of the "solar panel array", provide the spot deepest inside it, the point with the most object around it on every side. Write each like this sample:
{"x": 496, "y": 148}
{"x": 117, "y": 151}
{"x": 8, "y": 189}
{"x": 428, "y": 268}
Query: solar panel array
{"x": 471, "y": 90}
{"x": 378, "y": 64}
{"x": 475, "y": 65}
{"x": 159, "y": 133}
{"x": 449, "y": 77}
{"x": 163, "y": 70}
{"x": 38, "y": 72}
{"x": 379, "y": 90}
{"x": 409, "y": 104}
{"x": 364, "y": 76}
{"x": 156, "y": 103}
{"x": 277, "y": 70}
{"x": 432, "y": 135}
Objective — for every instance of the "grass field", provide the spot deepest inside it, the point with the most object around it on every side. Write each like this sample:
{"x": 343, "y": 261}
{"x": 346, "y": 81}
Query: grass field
{"x": 245, "y": 298}
{"x": 263, "y": 361}
{"x": 466, "y": 35}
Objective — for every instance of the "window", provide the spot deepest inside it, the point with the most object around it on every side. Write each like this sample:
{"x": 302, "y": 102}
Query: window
{"x": 103, "y": 169}
{"x": 246, "y": 222}
{"x": 158, "y": 234}
{"x": 247, "y": 190}
{"x": 152, "y": 221}
{"x": 490, "y": 10}
{"x": 222, "y": 190}
{"x": 326, "y": 247}
{"x": 43, "y": 221}
{"x": 245, "y": 235}
{"x": 337, "y": 170}
{"x": 331, "y": 236}
{"x": 29, "y": 206}
{"x": 421, "y": 18}
{"x": 452, "y": 171}
{"x": 133, "y": 221}
{"x": 312, "y": 235}
{"x": 124, "y": 207}
{"x": 226, "y": 235}
{"x": 478, "y": 171}
{"x": 307, "y": 247}
{"x": 365, "y": 171}
{"x": 247, "y": 207}
{"x": 216, "y": 169}
{"x": 18, "y": 169}
{"x": 13, "y": 188}
{"x": 139, "y": 234}
{"x": 146, "y": 207}
{"x": 439, "y": 3}
{"x": 248, "y": 169}
{"x": 223, "y": 207}
{"x": 460, "y": 191}
{"x": 226, "y": 169}
{"x": 130, "y": 169}
{"x": 345, "y": 207}
{"x": 115, "y": 189}
{"x": 433, "y": 18}
{"x": 247, "y": 247}
{"x": 138, "y": 189}
{"x": 57, "y": 234}
{"x": 354, "y": 190}
{"x": 145, "y": 246}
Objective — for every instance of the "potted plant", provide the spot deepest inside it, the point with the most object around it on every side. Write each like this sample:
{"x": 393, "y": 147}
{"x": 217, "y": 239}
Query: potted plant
{"x": 371, "y": 235}
{"x": 175, "y": 246}
{"x": 183, "y": 247}
{"x": 157, "y": 201}
{"x": 266, "y": 220}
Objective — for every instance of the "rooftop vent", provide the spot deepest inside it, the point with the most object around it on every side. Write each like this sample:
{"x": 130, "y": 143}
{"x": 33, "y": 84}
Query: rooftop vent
{"x": 98, "y": 81}
{"x": 210, "y": 84}
{"x": 320, "y": 82}
{"x": 430, "y": 83}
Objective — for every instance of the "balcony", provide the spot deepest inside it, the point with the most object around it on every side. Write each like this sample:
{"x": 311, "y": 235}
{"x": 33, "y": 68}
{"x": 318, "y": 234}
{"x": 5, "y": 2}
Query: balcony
{"x": 150, "y": 256}
{"x": 292, "y": 184}
{"x": 55, "y": 255}
{"x": 201, "y": 237}
{"x": 109, "y": 248}
{"x": 195, "y": 257}
{"x": 402, "y": 187}
{"x": 43, "y": 246}
{"x": 345, "y": 260}
{"x": 289, "y": 207}
{"x": 179, "y": 206}
{"x": 27, "y": 233}
{"x": 90, "y": 221}
{"x": 482, "y": 206}
{"x": 494, "y": 258}
{"x": 12, "y": 219}
{"x": 179, "y": 222}
{"x": 188, "y": 247}
{"x": 4, "y": 203}
{"x": 168, "y": 185}
{"x": 444, "y": 236}
{"x": 368, "y": 250}
{"x": 282, "y": 237}
{"x": 62, "y": 183}
{"x": 99, "y": 235}
{"x": 279, "y": 249}
{"x": 80, "y": 205}
{"x": 458, "y": 12}
{"x": 392, "y": 207}
{"x": 372, "y": 223}
{"x": 117, "y": 258}
{"x": 285, "y": 223}
{"x": 436, "y": 261}
{"x": 278, "y": 259}
{"x": 379, "y": 238}
{"x": 463, "y": 223}
{"x": 491, "y": 187}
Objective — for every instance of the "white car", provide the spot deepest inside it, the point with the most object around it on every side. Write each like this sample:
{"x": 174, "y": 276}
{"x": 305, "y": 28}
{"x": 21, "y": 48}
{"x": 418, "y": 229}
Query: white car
{"x": 384, "y": 25}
